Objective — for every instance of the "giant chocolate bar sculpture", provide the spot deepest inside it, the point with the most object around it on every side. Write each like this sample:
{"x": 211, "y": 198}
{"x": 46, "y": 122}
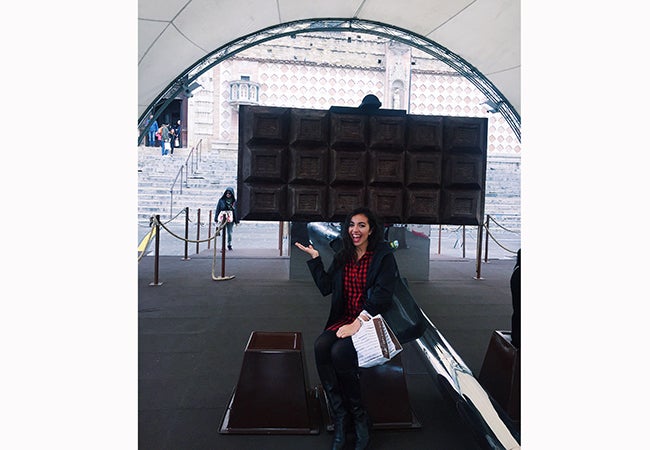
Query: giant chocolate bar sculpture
{"x": 316, "y": 165}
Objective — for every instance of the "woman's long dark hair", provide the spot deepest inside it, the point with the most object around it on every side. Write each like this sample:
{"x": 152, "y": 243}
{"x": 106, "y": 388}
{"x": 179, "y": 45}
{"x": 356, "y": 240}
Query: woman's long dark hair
{"x": 348, "y": 252}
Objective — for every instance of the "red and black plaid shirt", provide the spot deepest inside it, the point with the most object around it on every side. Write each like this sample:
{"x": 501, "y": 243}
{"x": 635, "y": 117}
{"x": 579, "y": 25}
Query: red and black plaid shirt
{"x": 354, "y": 289}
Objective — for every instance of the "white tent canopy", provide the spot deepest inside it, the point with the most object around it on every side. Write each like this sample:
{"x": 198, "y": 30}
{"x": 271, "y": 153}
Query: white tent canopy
{"x": 174, "y": 35}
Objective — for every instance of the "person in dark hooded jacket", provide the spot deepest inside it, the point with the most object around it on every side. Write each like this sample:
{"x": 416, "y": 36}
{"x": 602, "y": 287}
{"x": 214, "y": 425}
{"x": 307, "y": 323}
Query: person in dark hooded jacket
{"x": 226, "y": 208}
{"x": 361, "y": 281}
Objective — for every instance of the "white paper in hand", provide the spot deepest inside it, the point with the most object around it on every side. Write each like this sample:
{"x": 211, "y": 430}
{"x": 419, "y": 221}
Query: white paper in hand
{"x": 375, "y": 343}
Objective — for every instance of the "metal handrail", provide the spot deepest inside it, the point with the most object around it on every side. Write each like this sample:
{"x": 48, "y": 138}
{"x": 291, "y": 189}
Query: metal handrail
{"x": 192, "y": 160}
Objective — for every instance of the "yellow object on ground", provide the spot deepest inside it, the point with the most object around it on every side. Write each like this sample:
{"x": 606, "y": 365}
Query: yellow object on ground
{"x": 145, "y": 240}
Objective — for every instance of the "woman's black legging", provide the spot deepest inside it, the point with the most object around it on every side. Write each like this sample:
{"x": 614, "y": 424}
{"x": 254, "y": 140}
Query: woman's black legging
{"x": 335, "y": 352}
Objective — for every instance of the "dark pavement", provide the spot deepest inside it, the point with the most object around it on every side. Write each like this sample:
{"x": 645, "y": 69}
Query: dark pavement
{"x": 193, "y": 330}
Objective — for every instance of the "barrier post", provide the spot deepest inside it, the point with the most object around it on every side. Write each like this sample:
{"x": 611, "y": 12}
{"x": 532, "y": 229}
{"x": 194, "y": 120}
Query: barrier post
{"x": 439, "y": 237}
{"x": 479, "y": 244}
{"x": 281, "y": 232}
{"x": 209, "y": 228}
{"x": 463, "y": 241}
{"x": 198, "y": 229}
{"x": 187, "y": 227}
{"x": 487, "y": 236}
{"x": 223, "y": 253}
{"x": 223, "y": 258}
{"x": 156, "y": 254}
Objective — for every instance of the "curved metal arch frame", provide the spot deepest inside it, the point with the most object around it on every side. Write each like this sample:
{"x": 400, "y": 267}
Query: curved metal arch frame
{"x": 342, "y": 25}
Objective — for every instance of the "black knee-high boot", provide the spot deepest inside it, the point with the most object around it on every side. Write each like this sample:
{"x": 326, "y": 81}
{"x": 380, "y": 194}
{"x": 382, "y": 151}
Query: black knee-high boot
{"x": 352, "y": 391}
{"x": 332, "y": 389}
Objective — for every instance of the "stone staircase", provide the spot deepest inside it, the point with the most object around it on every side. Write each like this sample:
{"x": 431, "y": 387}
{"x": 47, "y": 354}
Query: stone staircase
{"x": 503, "y": 191}
{"x": 203, "y": 182}
{"x": 217, "y": 169}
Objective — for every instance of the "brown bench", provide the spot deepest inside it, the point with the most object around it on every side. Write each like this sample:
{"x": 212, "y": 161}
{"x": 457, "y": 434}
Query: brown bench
{"x": 501, "y": 373}
{"x": 272, "y": 395}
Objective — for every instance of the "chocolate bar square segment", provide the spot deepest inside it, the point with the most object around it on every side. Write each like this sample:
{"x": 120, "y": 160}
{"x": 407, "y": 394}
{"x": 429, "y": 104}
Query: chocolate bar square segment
{"x": 347, "y": 167}
{"x": 422, "y": 205}
{"x": 307, "y": 203}
{"x": 343, "y": 199}
{"x": 263, "y": 164}
{"x": 461, "y": 207}
{"x": 309, "y": 127}
{"x": 309, "y": 166}
{"x": 348, "y": 130}
{"x": 388, "y": 203}
{"x": 423, "y": 168}
{"x": 386, "y": 168}
{"x": 263, "y": 125}
{"x": 263, "y": 202}
{"x": 387, "y": 132}
{"x": 464, "y": 170}
{"x": 465, "y": 134}
{"x": 424, "y": 133}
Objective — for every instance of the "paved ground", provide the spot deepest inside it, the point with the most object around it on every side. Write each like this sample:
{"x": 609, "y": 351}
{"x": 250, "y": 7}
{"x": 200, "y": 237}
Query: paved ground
{"x": 193, "y": 330}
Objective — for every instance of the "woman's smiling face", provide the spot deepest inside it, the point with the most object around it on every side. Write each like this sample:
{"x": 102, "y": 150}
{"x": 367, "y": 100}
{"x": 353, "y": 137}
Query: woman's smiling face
{"x": 359, "y": 230}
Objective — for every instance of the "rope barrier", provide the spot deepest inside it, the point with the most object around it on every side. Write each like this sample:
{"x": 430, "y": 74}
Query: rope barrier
{"x": 501, "y": 226}
{"x": 198, "y": 241}
{"x": 156, "y": 223}
{"x": 495, "y": 240}
{"x": 172, "y": 218}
